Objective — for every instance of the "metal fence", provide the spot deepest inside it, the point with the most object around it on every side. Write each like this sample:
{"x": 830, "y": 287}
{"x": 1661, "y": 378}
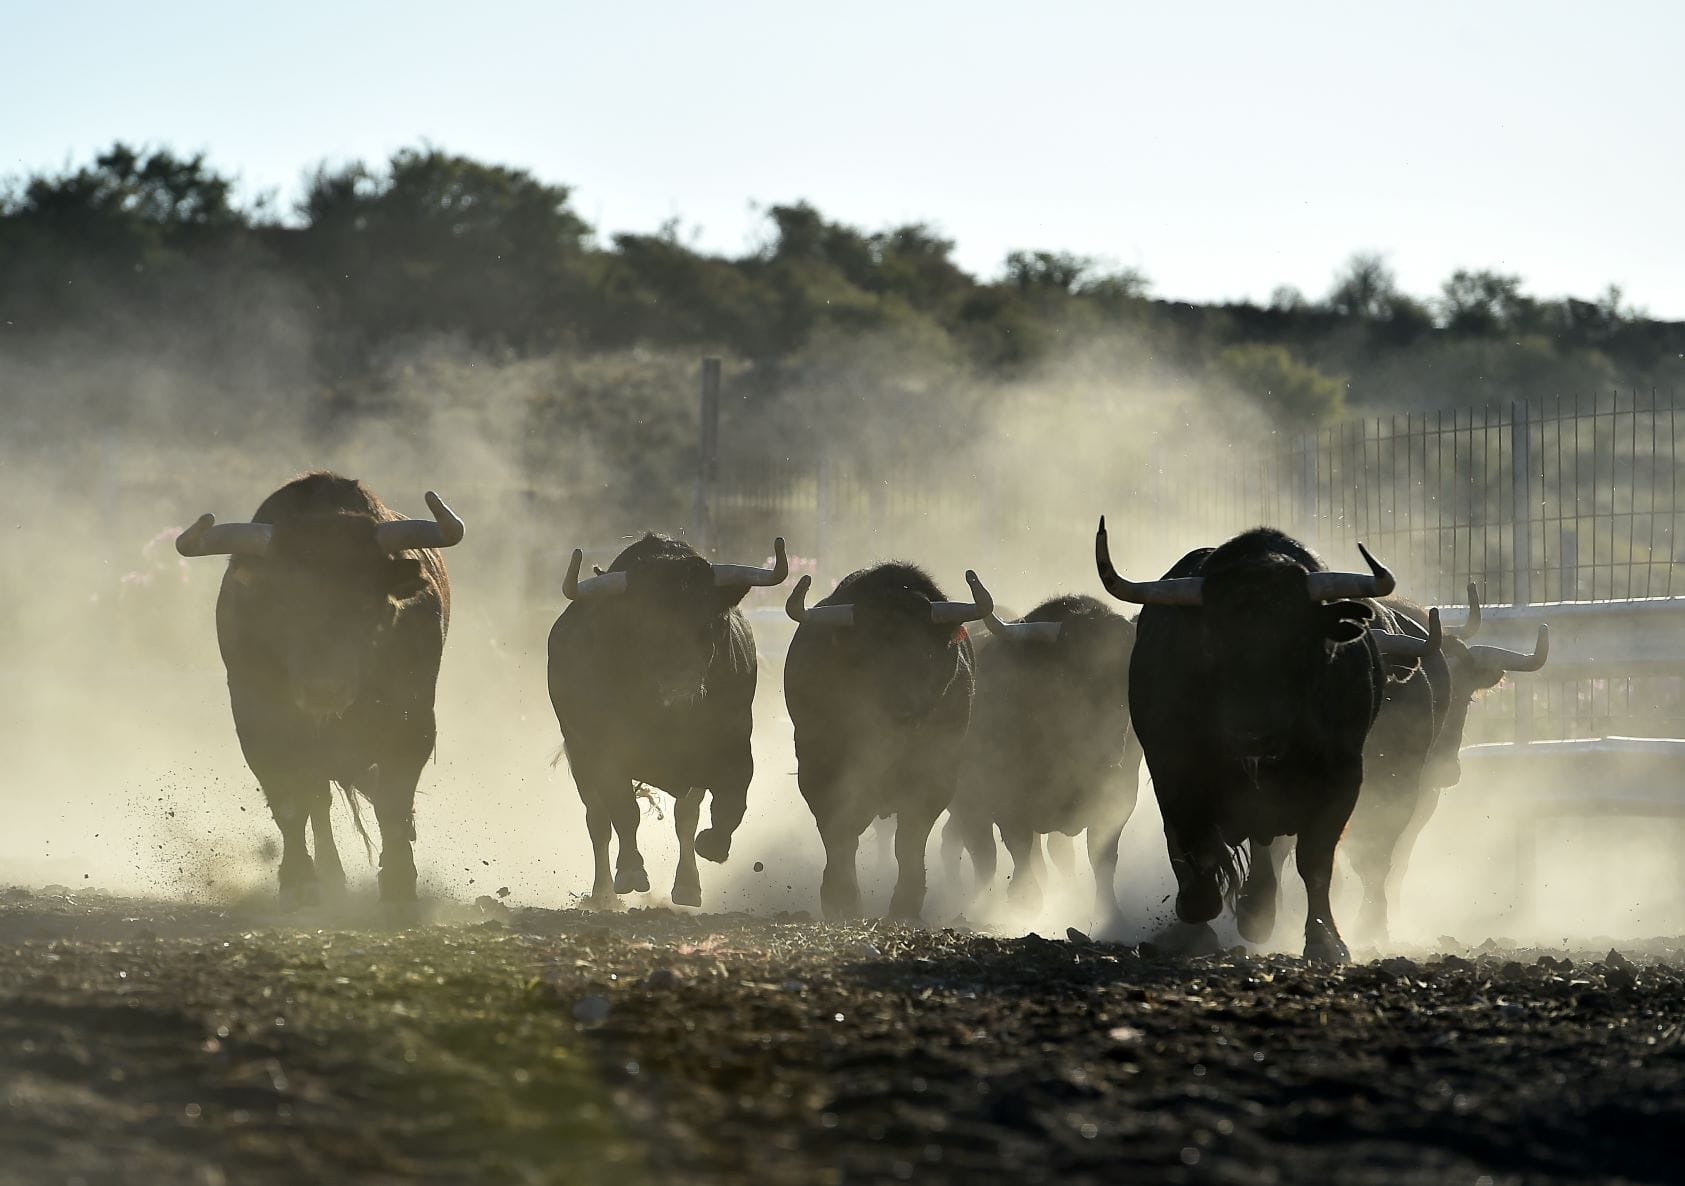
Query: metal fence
{"x": 1572, "y": 499}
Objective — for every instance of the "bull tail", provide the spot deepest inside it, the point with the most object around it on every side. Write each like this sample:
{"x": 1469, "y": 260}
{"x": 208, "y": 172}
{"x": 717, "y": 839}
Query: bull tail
{"x": 350, "y": 793}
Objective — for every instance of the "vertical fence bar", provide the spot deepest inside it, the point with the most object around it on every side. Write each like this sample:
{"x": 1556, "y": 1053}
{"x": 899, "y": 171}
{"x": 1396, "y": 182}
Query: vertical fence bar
{"x": 707, "y": 457}
{"x": 1521, "y": 505}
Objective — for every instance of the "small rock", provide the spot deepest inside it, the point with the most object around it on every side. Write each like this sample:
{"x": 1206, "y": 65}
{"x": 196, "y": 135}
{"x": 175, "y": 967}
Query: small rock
{"x": 759, "y": 867}
{"x": 661, "y": 978}
{"x": 1616, "y": 960}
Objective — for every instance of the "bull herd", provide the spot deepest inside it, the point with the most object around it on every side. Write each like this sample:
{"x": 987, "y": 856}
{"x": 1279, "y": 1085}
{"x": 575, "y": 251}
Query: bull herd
{"x": 1279, "y": 707}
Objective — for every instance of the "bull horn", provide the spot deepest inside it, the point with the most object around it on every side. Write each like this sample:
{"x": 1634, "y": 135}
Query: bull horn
{"x": 954, "y": 613}
{"x": 749, "y": 574}
{"x": 577, "y": 590}
{"x": 404, "y": 535}
{"x": 207, "y": 537}
{"x": 819, "y": 615}
{"x": 1515, "y": 660}
{"x": 1170, "y": 591}
{"x": 1023, "y": 631}
{"x": 1408, "y": 646}
{"x": 1335, "y": 586}
{"x": 1471, "y": 626}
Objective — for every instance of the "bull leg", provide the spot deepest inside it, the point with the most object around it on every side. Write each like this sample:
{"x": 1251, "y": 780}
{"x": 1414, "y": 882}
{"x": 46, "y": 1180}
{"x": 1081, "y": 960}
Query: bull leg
{"x": 687, "y": 882}
{"x": 1427, "y": 800}
{"x": 839, "y": 887}
{"x": 976, "y": 833}
{"x": 330, "y": 873}
{"x": 1198, "y": 901}
{"x": 1062, "y": 853}
{"x": 1255, "y": 908}
{"x": 394, "y": 810}
{"x": 1024, "y": 890}
{"x": 912, "y": 831}
{"x": 630, "y": 876}
{"x": 1105, "y": 831}
{"x": 1315, "y": 858}
{"x": 1102, "y": 857}
{"x": 289, "y": 803}
{"x": 598, "y": 824}
{"x": 953, "y": 844}
{"x": 725, "y": 811}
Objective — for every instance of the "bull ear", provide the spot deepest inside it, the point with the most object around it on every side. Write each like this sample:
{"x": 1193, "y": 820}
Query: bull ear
{"x": 404, "y": 579}
{"x": 1344, "y": 621}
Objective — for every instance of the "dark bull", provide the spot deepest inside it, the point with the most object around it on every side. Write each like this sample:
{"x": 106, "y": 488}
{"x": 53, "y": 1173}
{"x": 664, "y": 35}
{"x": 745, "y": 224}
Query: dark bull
{"x": 1050, "y": 751}
{"x": 878, "y": 681}
{"x": 652, "y": 676}
{"x": 1253, "y": 685}
{"x": 331, "y": 620}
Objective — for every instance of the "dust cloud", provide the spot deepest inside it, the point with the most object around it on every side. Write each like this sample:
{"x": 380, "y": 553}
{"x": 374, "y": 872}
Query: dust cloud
{"x": 124, "y": 775}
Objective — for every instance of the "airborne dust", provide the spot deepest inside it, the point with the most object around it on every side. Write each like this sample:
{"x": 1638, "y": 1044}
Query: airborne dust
{"x": 122, "y": 769}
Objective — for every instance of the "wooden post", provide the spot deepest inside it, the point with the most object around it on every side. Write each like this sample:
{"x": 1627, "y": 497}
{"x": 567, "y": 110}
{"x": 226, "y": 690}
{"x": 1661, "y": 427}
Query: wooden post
{"x": 707, "y": 458}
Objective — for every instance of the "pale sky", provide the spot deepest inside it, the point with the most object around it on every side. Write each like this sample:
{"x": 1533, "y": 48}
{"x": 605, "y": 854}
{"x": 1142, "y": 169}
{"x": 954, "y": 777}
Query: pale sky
{"x": 1221, "y": 148}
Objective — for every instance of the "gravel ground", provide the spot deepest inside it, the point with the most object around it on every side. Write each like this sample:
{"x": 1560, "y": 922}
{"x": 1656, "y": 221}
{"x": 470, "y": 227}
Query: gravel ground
{"x": 145, "y": 1041}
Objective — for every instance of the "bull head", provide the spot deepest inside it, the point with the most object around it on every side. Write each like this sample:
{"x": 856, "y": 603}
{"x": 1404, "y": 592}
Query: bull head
{"x": 1187, "y": 591}
{"x": 207, "y": 537}
{"x": 942, "y": 613}
{"x": 607, "y": 584}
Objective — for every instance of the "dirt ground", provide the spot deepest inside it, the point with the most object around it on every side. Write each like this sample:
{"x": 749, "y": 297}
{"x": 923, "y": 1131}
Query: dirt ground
{"x": 144, "y": 1041}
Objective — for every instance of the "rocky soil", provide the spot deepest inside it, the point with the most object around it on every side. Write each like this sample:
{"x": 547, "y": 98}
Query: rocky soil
{"x": 144, "y": 1041}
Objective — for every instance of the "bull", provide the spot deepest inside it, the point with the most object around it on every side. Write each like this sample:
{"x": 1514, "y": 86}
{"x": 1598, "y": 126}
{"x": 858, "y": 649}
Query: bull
{"x": 1389, "y": 816}
{"x": 879, "y": 682}
{"x": 331, "y": 620}
{"x": 1050, "y": 752}
{"x": 1414, "y": 707}
{"x": 652, "y": 676}
{"x": 1253, "y": 686}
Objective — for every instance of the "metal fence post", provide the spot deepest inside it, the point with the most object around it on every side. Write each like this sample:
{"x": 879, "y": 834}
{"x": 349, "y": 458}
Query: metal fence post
{"x": 1521, "y": 545}
{"x": 707, "y": 457}
{"x": 1521, "y": 509}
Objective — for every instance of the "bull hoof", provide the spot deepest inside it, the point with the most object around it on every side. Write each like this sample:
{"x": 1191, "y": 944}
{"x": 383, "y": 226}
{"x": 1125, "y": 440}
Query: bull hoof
{"x": 631, "y": 879}
{"x": 1200, "y": 901}
{"x": 687, "y": 893}
{"x": 401, "y": 912}
{"x": 397, "y": 885}
{"x": 1255, "y": 917}
{"x": 713, "y": 845}
{"x": 1188, "y": 938}
{"x": 300, "y": 892}
{"x": 1323, "y": 944}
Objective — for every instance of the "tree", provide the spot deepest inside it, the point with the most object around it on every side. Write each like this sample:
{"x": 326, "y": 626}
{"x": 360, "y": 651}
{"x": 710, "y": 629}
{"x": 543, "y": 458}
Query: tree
{"x": 1042, "y": 271}
{"x": 1292, "y": 394}
{"x": 1479, "y": 303}
{"x": 444, "y": 243}
{"x": 1366, "y": 288}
